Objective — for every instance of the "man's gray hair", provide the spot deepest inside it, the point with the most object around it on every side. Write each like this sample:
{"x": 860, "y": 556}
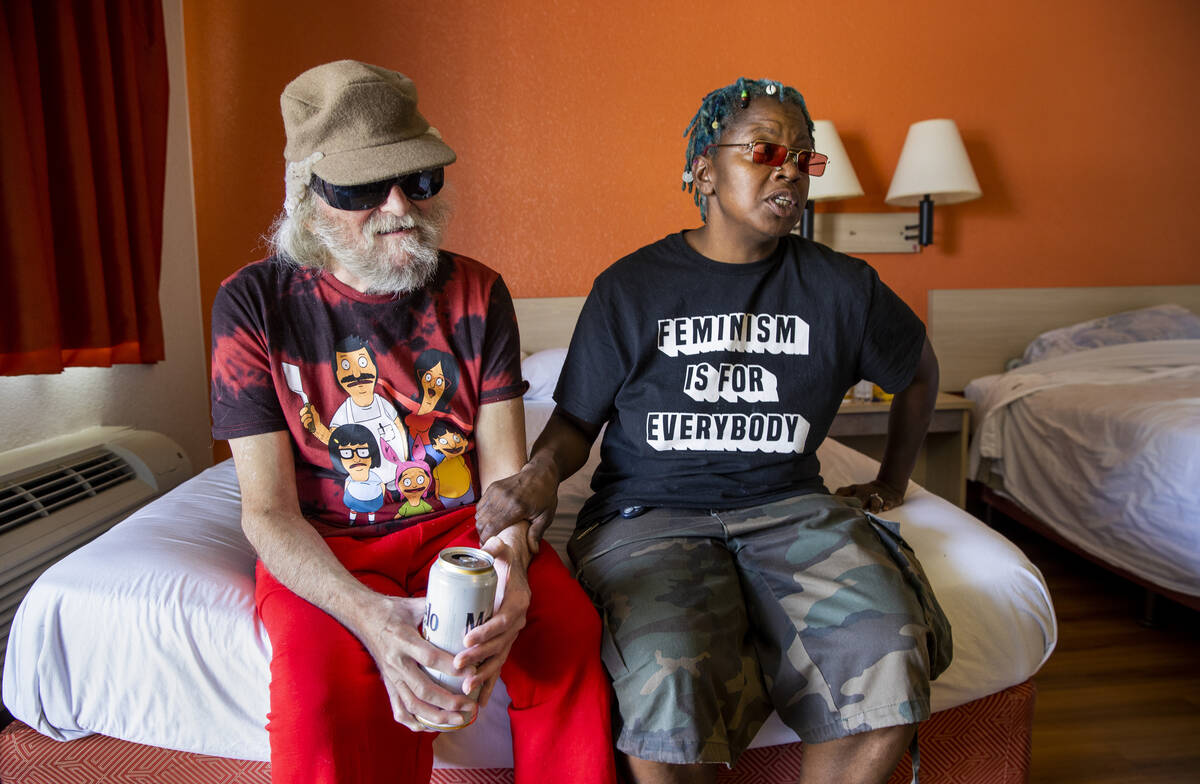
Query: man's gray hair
{"x": 293, "y": 240}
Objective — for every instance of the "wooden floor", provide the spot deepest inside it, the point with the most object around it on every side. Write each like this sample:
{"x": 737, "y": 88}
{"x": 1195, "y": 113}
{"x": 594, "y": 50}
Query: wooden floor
{"x": 1117, "y": 702}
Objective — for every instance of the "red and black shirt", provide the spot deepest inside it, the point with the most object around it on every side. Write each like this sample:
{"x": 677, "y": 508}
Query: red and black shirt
{"x": 378, "y": 392}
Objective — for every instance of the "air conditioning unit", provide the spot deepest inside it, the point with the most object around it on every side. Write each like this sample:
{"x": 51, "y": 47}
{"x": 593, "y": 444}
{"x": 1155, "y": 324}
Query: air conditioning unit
{"x": 60, "y": 494}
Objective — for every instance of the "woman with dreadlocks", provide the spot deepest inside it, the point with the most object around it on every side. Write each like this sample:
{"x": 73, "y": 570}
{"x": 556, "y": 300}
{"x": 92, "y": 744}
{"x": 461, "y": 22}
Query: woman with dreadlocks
{"x": 731, "y": 581}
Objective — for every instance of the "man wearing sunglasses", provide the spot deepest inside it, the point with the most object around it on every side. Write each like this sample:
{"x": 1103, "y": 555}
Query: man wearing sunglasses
{"x": 731, "y": 581}
{"x": 344, "y": 558}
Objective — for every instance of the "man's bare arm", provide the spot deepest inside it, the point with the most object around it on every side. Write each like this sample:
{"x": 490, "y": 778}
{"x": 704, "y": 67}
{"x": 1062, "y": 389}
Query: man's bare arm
{"x": 296, "y": 555}
{"x": 531, "y": 494}
{"x": 500, "y": 452}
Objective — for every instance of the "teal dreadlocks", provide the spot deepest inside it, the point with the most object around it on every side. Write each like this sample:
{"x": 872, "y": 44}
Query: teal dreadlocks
{"x": 715, "y": 113}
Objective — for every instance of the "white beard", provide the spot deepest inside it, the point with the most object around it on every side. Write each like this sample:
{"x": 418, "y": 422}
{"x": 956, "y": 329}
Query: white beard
{"x": 388, "y": 264}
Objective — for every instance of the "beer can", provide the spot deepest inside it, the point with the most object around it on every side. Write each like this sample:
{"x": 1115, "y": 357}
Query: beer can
{"x": 460, "y": 596}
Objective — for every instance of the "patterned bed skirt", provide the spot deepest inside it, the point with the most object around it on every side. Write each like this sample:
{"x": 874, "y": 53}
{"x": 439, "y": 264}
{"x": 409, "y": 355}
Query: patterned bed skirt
{"x": 986, "y": 741}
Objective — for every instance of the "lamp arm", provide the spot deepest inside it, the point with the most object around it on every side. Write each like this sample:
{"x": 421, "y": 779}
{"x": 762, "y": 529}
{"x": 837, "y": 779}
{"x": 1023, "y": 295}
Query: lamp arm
{"x": 806, "y": 220}
{"x": 926, "y": 221}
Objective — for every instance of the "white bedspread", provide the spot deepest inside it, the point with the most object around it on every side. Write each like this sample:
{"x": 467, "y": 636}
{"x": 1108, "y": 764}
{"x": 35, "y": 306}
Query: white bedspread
{"x": 1103, "y": 445}
{"x": 149, "y": 633}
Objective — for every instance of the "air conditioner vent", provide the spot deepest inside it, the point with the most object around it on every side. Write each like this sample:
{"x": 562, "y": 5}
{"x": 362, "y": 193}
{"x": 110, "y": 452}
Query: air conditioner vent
{"x": 39, "y": 492}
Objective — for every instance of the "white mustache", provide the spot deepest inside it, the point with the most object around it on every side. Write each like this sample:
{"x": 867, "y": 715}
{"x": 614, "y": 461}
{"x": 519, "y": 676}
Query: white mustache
{"x": 402, "y": 263}
{"x": 384, "y": 224}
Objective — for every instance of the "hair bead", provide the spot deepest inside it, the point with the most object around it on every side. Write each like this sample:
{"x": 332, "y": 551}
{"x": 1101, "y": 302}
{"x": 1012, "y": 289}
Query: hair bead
{"x": 718, "y": 108}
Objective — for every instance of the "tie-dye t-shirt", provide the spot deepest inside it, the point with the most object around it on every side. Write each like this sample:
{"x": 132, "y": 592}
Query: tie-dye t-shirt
{"x": 379, "y": 393}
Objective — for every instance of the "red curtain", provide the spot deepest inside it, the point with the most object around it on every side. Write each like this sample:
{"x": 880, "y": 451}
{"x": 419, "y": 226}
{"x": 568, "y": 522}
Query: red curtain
{"x": 83, "y": 139}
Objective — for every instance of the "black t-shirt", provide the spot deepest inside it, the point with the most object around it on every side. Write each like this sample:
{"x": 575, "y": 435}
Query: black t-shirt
{"x": 718, "y": 381}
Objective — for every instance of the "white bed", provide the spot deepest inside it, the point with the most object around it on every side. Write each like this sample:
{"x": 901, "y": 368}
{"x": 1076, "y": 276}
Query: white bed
{"x": 1106, "y": 444}
{"x": 148, "y": 634}
{"x": 1092, "y": 437}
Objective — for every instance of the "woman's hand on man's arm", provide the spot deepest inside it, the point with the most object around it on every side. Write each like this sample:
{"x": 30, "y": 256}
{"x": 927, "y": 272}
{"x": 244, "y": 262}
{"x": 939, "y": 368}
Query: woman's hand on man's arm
{"x": 532, "y": 492}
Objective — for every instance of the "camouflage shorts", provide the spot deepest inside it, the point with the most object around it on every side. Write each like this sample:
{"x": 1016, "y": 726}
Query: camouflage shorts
{"x": 713, "y": 618}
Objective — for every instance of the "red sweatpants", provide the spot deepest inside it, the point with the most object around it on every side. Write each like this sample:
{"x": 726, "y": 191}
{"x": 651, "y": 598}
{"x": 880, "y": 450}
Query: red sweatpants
{"x": 330, "y": 719}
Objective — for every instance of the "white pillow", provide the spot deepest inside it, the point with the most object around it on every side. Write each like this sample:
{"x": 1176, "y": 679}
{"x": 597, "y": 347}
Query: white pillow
{"x": 1160, "y": 322}
{"x": 541, "y": 370}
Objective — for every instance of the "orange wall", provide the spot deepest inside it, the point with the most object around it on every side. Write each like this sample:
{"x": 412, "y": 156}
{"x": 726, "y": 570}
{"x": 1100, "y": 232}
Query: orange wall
{"x": 1079, "y": 116}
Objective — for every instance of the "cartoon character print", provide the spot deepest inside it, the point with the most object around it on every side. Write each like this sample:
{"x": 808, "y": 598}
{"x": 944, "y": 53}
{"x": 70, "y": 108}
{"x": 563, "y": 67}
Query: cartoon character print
{"x": 356, "y": 372}
{"x": 354, "y": 453}
{"x": 414, "y": 483}
{"x": 451, "y": 474}
{"x": 437, "y": 379}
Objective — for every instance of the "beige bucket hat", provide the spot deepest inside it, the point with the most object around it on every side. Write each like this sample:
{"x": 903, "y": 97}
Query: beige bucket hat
{"x": 363, "y": 120}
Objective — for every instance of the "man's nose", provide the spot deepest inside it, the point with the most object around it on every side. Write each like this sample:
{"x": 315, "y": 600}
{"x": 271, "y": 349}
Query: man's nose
{"x": 396, "y": 203}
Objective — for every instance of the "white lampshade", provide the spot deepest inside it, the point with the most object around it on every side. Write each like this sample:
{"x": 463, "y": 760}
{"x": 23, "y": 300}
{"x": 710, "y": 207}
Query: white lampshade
{"x": 839, "y": 180}
{"x": 934, "y": 162}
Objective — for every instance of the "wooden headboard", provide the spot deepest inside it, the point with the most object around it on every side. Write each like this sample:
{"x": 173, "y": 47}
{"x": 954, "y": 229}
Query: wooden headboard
{"x": 975, "y": 331}
{"x": 546, "y": 322}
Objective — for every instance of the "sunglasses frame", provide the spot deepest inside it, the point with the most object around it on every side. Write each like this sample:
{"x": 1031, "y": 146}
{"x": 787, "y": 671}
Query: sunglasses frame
{"x": 816, "y": 159}
{"x": 416, "y": 186}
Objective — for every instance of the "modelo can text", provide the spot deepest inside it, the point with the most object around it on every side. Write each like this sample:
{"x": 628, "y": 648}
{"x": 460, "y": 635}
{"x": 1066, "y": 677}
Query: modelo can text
{"x": 460, "y": 596}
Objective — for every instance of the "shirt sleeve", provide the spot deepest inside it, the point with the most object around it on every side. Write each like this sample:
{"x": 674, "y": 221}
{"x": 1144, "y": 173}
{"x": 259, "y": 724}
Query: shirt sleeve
{"x": 892, "y": 340}
{"x": 501, "y": 368}
{"x": 244, "y": 400}
{"x": 594, "y": 368}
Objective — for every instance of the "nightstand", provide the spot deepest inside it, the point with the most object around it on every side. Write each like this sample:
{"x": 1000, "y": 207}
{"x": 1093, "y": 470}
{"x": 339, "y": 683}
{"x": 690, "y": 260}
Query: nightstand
{"x": 942, "y": 463}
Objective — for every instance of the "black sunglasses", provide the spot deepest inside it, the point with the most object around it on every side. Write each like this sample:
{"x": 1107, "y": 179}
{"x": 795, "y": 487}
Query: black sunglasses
{"x": 417, "y": 186}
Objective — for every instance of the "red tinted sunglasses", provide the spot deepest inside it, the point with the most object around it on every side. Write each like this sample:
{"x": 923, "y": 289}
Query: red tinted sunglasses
{"x": 810, "y": 162}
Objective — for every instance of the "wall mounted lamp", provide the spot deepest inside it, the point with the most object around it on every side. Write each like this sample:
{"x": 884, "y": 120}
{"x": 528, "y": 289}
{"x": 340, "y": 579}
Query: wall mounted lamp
{"x": 933, "y": 167}
{"x": 839, "y": 180}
